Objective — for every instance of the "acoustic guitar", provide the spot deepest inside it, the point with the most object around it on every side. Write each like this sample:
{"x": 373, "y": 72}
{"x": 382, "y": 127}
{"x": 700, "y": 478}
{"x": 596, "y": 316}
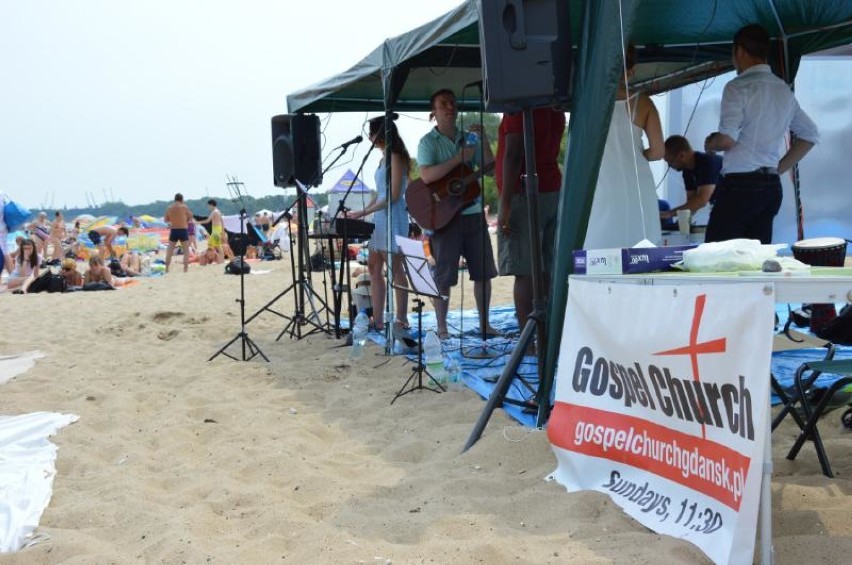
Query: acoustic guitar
{"x": 433, "y": 205}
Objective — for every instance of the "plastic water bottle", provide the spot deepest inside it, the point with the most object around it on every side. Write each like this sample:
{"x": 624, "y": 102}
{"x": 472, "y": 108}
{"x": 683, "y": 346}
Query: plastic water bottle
{"x": 472, "y": 139}
{"x": 359, "y": 335}
{"x": 434, "y": 358}
{"x": 454, "y": 380}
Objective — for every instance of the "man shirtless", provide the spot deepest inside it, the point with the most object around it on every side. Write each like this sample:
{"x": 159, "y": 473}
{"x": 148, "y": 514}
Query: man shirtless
{"x": 177, "y": 217}
{"x": 103, "y": 237}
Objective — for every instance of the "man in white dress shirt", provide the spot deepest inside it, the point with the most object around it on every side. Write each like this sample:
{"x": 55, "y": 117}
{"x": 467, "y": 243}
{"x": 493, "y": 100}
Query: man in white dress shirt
{"x": 758, "y": 109}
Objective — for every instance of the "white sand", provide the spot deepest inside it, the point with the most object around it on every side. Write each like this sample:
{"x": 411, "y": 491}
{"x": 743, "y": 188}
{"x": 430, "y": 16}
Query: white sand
{"x": 304, "y": 460}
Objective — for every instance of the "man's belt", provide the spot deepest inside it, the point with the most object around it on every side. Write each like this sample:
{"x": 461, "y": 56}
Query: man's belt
{"x": 764, "y": 171}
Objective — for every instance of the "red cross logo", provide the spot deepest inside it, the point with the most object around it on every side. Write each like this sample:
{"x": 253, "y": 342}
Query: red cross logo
{"x": 694, "y": 349}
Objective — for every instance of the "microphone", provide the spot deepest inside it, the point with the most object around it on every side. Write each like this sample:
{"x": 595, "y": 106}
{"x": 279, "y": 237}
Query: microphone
{"x": 354, "y": 140}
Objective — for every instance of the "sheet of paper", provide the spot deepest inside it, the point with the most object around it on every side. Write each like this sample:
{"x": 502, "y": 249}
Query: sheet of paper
{"x": 419, "y": 273}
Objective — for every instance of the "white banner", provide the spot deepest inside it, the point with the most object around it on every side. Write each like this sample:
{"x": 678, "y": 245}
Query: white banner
{"x": 662, "y": 399}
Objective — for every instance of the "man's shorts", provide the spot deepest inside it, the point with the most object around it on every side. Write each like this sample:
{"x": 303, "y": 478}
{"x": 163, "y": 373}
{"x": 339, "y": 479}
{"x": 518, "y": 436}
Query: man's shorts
{"x": 178, "y": 234}
{"x": 465, "y": 237}
{"x": 513, "y": 251}
{"x": 215, "y": 237}
{"x": 95, "y": 237}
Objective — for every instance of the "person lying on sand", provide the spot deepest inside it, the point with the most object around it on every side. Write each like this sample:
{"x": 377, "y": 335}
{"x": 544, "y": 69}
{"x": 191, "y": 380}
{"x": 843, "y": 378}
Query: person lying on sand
{"x": 97, "y": 272}
{"x": 131, "y": 263}
{"x": 69, "y": 272}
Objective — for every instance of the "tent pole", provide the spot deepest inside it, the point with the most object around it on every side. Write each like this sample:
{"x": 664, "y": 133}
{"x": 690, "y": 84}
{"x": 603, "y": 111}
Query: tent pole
{"x": 788, "y": 78}
{"x": 596, "y": 73}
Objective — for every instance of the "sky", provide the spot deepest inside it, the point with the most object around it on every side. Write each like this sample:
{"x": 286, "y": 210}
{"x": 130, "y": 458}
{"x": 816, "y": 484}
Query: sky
{"x": 134, "y": 101}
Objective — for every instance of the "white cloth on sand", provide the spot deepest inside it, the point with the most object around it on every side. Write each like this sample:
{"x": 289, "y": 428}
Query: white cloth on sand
{"x": 27, "y": 468}
{"x": 623, "y": 212}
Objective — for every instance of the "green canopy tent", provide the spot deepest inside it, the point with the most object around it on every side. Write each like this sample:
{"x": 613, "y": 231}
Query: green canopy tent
{"x": 678, "y": 41}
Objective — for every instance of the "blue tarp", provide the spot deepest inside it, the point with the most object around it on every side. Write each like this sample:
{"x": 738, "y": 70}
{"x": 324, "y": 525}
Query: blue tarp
{"x": 480, "y": 374}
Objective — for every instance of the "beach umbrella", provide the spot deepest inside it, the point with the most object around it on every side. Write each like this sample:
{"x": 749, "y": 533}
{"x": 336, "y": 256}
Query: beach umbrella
{"x": 84, "y": 219}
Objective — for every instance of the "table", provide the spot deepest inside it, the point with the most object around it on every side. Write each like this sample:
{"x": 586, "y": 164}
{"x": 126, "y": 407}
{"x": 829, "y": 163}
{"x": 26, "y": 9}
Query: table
{"x": 823, "y": 285}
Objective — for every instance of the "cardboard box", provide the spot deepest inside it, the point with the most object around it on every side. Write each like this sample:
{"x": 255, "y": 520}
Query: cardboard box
{"x": 627, "y": 261}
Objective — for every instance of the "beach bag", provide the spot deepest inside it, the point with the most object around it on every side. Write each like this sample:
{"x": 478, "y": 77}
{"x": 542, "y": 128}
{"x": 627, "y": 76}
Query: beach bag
{"x": 237, "y": 266}
{"x": 838, "y": 330}
{"x": 56, "y": 283}
{"x": 41, "y": 283}
{"x": 15, "y": 215}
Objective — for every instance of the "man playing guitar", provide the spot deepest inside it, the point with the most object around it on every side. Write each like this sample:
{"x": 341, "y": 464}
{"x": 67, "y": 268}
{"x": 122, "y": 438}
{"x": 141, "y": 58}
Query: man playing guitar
{"x": 438, "y": 153}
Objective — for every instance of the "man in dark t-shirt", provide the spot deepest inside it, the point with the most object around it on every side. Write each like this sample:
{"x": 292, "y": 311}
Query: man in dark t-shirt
{"x": 701, "y": 174}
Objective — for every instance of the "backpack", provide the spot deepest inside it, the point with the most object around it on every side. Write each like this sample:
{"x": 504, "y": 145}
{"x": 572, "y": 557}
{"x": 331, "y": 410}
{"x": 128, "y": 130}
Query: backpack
{"x": 838, "y": 330}
{"x": 236, "y": 266}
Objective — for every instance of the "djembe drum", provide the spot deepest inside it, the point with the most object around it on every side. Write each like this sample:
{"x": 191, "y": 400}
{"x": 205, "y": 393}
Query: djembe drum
{"x": 821, "y": 252}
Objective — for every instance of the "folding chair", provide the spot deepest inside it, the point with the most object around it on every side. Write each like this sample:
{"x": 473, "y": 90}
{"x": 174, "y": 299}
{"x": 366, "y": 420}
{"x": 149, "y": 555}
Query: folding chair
{"x": 789, "y": 340}
{"x": 809, "y": 430}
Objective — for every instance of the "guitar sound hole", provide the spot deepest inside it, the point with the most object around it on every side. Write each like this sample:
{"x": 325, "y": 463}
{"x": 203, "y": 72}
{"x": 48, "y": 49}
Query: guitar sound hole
{"x": 455, "y": 188}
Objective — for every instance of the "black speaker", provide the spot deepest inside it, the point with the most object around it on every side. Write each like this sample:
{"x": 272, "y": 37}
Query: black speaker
{"x": 296, "y": 151}
{"x": 526, "y": 53}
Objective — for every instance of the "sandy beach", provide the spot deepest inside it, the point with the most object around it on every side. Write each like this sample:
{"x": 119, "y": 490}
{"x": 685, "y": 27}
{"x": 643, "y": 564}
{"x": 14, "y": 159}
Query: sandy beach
{"x": 303, "y": 460}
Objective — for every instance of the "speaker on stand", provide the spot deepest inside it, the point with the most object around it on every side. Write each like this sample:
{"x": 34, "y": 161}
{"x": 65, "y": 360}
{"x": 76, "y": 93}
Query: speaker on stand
{"x": 296, "y": 152}
{"x": 526, "y": 53}
{"x": 526, "y": 64}
{"x": 297, "y": 161}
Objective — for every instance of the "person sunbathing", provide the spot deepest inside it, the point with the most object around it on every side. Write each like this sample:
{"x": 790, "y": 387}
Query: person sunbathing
{"x": 69, "y": 272}
{"x": 98, "y": 272}
{"x": 131, "y": 263}
{"x": 209, "y": 257}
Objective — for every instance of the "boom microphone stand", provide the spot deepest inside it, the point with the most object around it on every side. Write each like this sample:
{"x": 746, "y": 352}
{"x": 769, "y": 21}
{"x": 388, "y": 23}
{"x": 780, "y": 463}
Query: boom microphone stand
{"x": 301, "y": 285}
{"x": 247, "y": 345}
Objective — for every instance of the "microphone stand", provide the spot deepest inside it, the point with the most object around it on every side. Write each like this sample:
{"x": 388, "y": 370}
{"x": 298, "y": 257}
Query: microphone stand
{"x": 481, "y": 352}
{"x": 301, "y": 285}
{"x": 339, "y": 288}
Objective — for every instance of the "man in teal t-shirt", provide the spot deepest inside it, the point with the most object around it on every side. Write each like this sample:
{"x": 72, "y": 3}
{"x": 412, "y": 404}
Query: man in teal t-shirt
{"x": 466, "y": 235}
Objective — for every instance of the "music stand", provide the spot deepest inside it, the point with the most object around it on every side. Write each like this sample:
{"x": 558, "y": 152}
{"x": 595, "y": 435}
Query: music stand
{"x": 247, "y": 345}
{"x": 422, "y": 283}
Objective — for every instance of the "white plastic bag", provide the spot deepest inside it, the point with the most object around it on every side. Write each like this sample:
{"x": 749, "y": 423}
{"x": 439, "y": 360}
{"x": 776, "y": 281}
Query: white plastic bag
{"x": 731, "y": 255}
